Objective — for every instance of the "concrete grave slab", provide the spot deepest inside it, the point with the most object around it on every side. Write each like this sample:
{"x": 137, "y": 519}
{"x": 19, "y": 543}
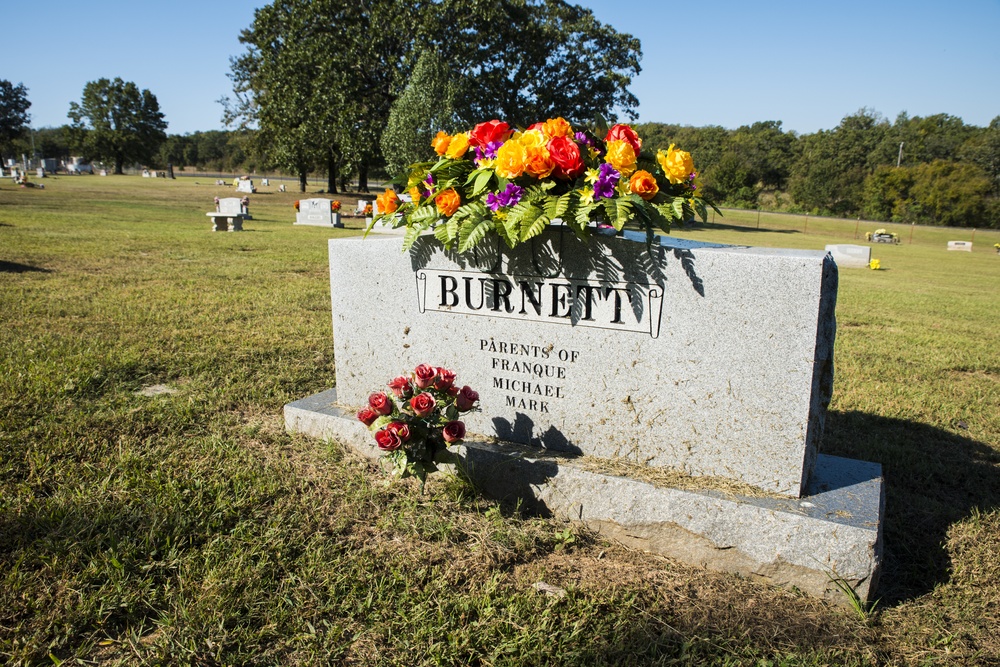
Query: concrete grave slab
{"x": 833, "y": 531}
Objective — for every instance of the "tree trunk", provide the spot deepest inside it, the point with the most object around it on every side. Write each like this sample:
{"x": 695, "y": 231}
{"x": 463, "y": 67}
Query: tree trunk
{"x": 119, "y": 163}
{"x": 302, "y": 181}
{"x": 363, "y": 176}
{"x": 331, "y": 174}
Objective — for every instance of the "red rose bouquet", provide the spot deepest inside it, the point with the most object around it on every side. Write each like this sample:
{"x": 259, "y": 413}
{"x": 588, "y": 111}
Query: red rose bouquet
{"x": 495, "y": 179}
{"x": 416, "y": 420}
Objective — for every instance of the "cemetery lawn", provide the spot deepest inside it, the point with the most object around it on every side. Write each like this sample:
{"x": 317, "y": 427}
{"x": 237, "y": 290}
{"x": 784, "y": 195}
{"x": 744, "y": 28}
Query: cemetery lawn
{"x": 188, "y": 528}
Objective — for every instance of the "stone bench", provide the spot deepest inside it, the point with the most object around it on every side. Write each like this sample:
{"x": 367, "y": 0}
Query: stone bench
{"x": 229, "y": 214}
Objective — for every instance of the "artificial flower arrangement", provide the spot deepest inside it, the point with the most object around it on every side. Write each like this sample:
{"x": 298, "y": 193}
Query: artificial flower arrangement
{"x": 418, "y": 418}
{"x": 875, "y": 265}
{"x": 296, "y": 205}
{"x": 516, "y": 182}
{"x": 334, "y": 206}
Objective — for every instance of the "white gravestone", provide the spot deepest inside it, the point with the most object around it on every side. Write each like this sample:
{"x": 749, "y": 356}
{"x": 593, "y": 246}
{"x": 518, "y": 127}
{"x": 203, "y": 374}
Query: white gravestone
{"x": 960, "y": 245}
{"x": 849, "y": 256}
{"x": 245, "y": 185}
{"x": 317, "y": 212}
{"x": 710, "y": 360}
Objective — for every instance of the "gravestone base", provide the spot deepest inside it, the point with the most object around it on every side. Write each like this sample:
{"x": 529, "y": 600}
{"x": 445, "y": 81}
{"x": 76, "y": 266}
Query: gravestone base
{"x": 834, "y": 531}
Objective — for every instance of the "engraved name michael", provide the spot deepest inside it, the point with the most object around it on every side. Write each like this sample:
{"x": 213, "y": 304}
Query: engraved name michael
{"x": 623, "y": 306}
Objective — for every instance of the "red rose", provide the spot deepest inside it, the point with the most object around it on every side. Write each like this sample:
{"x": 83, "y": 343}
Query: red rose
{"x": 466, "y": 398}
{"x": 387, "y": 440}
{"x": 627, "y": 134}
{"x": 484, "y": 133}
{"x": 401, "y": 387}
{"x": 401, "y": 430}
{"x": 380, "y": 403}
{"x": 536, "y": 126}
{"x": 444, "y": 379}
{"x": 423, "y": 404}
{"x": 566, "y": 155}
{"x": 453, "y": 390}
{"x": 367, "y": 416}
{"x": 453, "y": 432}
{"x": 425, "y": 375}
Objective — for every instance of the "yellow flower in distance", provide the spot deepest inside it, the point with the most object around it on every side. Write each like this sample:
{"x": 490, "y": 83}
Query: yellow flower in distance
{"x": 677, "y": 165}
{"x": 621, "y": 157}
{"x": 510, "y": 159}
{"x": 458, "y": 146}
{"x": 440, "y": 142}
{"x": 874, "y": 265}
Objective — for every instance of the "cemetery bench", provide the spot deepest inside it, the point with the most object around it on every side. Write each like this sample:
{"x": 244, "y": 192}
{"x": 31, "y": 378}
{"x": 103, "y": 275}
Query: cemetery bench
{"x": 229, "y": 214}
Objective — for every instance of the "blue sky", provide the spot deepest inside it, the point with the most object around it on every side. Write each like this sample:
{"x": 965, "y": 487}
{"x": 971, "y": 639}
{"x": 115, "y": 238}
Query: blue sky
{"x": 807, "y": 64}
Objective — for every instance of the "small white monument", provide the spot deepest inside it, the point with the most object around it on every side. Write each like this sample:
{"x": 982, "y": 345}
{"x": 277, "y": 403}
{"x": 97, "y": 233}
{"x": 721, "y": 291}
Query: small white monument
{"x": 960, "y": 245}
{"x": 848, "y": 256}
{"x": 318, "y": 213}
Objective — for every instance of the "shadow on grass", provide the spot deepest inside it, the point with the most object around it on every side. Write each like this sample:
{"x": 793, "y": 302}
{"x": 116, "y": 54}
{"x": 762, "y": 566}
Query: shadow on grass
{"x": 933, "y": 478}
{"x": 14, "y": 267}
{"x": 707, "y": 227}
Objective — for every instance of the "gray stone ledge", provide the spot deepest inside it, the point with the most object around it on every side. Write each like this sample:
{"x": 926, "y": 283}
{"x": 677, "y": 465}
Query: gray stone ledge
{"x": 834, "y": 530}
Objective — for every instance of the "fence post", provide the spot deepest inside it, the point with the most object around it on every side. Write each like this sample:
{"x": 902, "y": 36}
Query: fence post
{"x": 758, "y": 218}
{"x": 912, "y": 224}
{"x": 805, "y": 228}
{"x": 856, "y": 228}
{"x": 973, "y": 235}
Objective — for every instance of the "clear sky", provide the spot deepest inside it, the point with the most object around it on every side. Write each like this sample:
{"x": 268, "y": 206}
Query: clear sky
{"x": 728, "y": 63}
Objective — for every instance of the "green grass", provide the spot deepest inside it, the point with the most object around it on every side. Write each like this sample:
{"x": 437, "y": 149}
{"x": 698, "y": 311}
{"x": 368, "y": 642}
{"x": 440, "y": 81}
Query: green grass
{"x": 189, "y": 528}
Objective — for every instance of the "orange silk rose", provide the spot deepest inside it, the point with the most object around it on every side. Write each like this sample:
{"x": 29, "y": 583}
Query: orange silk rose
{"x": 644, "y": 184}
{"x": 388, "y": 202}
{"x": 440, "y": 142}
{"x": 447, "y": 202}
{"x": 557, "y": 127}
{"x": 539, "y": 163}
{"x": 458, "y": 146}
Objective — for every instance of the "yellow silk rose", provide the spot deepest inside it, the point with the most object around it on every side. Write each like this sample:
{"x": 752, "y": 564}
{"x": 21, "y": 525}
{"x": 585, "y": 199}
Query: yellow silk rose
{"x": 532, "y": 139}
{"x": 677, "y": 165}
{"x": 440, "y": 142}
{"x": 644, "y": 184}
{"x": 621, "y": 156}
{"x": 458, "y": 146}
{"x": 510, "y": 159}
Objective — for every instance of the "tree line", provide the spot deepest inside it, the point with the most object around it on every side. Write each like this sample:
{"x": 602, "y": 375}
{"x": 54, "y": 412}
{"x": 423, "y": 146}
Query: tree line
{"x": 349, "y": 90}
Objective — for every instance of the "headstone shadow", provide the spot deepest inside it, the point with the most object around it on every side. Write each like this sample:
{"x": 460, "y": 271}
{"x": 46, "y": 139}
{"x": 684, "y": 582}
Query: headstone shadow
{"x": 15, "y": 267}
{"x": 933, "y": 479}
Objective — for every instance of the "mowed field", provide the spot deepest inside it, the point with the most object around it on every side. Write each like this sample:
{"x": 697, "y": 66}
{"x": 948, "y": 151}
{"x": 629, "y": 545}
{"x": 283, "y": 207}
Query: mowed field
{"x": 189, "y": 528}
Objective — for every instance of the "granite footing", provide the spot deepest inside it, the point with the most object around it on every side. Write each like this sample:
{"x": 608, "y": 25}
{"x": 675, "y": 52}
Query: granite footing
{"x": 833, "y": 532}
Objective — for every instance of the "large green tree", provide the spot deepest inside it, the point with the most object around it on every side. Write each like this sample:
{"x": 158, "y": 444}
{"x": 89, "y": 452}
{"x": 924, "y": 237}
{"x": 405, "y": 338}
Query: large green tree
{"x": 14, "y": 115}
{"x": 116, "y": 122}
{"x": 320, "y": 78}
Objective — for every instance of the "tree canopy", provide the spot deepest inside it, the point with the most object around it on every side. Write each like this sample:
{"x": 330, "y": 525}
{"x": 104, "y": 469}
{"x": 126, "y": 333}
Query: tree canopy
{"x": 116, "y": 122}
{"x": 14, "y": 115}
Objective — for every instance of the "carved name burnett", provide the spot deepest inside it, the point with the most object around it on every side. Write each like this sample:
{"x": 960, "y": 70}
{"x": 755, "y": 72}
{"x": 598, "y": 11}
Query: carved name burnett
{"x": 623, "y": 306}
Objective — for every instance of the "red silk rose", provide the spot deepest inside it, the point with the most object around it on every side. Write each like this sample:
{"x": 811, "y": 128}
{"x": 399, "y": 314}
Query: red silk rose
{"x": 387, "y": 440}
{"x": 423, "y": 404}
{"x": 627, "y": 134}
{"x": 380, "y": 403}
{"x": 367, "y": 416}
{"x": 484, "y": 133}
{"x": 401, "y": 387}
{"x": 400, "y": 429}
{"x": 444, "y": 380}
{"x": 466, "y": 398}
{"x": 425, "y": 375}
{"x": 453, "y": 432}
{"x": 566, "y": 155}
